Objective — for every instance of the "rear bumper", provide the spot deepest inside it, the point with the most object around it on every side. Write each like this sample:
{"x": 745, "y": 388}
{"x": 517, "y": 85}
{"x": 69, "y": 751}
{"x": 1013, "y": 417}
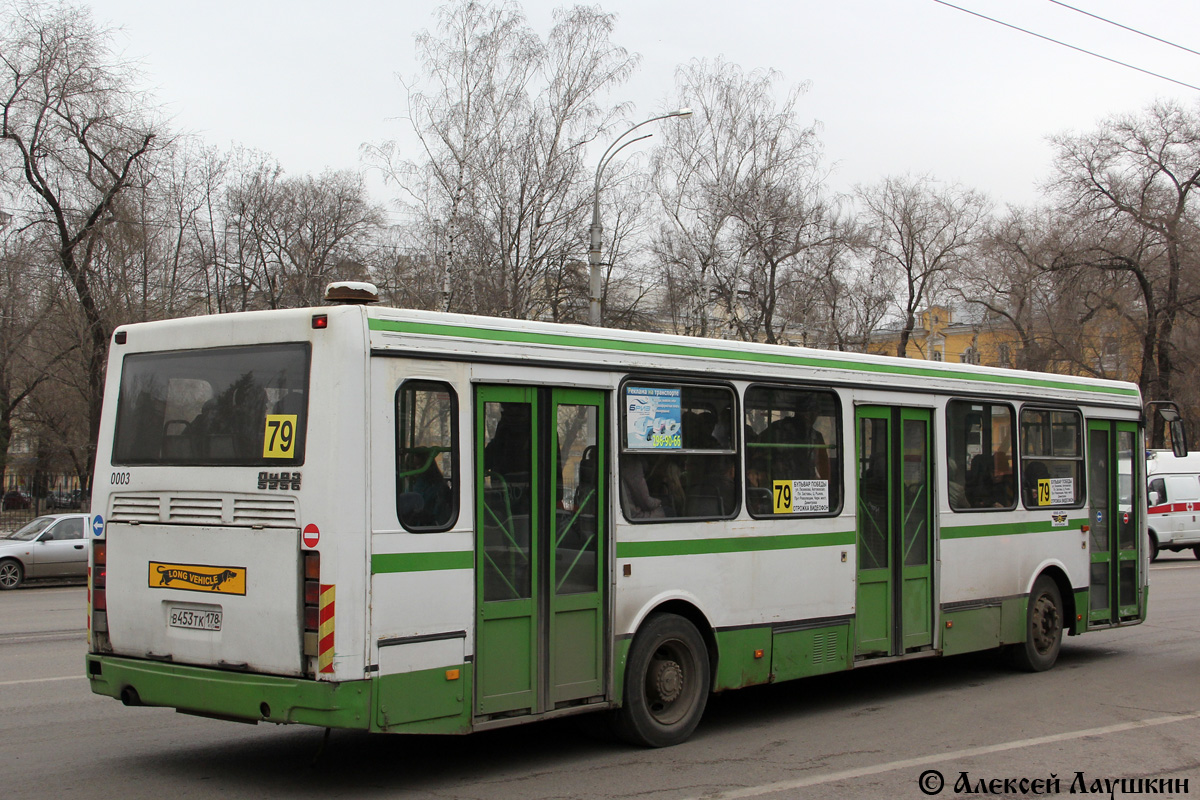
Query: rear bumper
{"x": 231, "y": 695}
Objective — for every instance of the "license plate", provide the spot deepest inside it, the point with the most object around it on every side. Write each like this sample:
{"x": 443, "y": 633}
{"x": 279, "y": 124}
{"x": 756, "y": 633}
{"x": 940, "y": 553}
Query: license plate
{"x": 196, "y": 619}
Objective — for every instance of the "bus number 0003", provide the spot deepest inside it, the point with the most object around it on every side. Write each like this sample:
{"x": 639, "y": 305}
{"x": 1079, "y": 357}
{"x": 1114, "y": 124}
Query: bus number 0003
{"x": 119, "y": 479}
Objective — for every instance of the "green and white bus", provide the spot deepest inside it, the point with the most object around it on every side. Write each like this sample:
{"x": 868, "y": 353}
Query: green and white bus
{"x": 413, "y": 522}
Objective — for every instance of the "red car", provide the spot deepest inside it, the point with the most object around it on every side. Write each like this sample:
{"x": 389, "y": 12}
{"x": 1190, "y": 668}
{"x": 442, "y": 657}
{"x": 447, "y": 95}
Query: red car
{"x": 16, "y": 499}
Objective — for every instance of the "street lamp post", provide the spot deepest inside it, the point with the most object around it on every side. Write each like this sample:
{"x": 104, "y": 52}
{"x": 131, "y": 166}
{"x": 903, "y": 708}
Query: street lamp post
{"x": 594, "y": 277}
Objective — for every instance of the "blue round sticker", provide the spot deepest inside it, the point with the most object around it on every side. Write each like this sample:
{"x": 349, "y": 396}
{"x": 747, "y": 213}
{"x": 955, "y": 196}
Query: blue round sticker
{"x": 98, "y": 525}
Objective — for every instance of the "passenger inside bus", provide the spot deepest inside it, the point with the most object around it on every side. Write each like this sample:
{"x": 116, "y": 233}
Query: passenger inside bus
{"x": 639, "y": 503}
{"x": 426, "y": 501}
{"x": 508, "y": 455}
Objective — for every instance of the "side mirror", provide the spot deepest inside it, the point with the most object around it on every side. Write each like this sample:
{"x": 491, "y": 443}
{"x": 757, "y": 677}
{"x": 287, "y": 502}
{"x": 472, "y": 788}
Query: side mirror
{"x": 1154, "y": 499}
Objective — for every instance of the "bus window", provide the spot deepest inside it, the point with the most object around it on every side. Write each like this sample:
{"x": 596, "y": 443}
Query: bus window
{"x": 679, "y": 452}
{"x": 979, "y": 456}
{"x": 1051, "y": 458}
{"x": 426, "y": 456}
{"x": 233, "y": 406}
{"x": 793, "y": 465}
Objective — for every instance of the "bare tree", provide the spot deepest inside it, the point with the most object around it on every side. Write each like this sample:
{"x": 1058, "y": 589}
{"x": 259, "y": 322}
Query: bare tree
{"x": 842, "y": 299}
{"x": 80, "y": 138}
{"x": 917, "y": 233}
{"x": 1132, "y": 184}
{"x": 26, "y": 304}
{"x": 503, "y": 126}
{"x": 294, "y": 235}
{"x": 741, "y": 189}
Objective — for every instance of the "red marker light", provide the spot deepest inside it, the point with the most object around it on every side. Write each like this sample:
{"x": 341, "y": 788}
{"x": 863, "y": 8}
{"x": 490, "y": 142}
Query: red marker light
{"x": 320, "y": 321}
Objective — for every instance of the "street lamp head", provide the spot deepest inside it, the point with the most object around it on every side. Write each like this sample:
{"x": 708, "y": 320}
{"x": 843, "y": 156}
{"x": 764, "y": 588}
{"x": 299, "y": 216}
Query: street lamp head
{"x": 683, "y": 112}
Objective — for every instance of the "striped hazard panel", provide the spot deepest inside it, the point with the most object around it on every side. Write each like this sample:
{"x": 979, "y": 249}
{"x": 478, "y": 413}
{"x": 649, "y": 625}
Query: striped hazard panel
{"x": 325, "y": 631}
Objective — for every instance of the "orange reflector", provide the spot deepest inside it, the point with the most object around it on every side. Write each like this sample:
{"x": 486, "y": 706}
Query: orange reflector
{"x": 758, "y": 653}
{"x": 949, "y": 623}
{"x": 1078, "y": 617}
{"x": 312, "y": 564}
{"x": 451, "y": 674}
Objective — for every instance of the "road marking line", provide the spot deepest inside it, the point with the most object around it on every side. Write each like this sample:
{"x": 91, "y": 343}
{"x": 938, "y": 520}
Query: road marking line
{"x": 44, "y": 680}
{"x": 890, "y": 766}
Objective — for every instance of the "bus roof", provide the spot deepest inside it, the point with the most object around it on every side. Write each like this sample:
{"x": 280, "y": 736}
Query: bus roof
{"x": 466, "y": 335}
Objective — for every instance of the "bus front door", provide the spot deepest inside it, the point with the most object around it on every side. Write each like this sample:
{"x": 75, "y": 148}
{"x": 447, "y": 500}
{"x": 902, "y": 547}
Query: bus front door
{"x": 539, "y": 549}
{"x": 894, "y": 598}
{"x": 1115, "y": 471}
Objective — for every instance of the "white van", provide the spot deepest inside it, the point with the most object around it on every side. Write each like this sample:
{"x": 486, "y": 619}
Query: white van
{"x": 1173, "y": 497}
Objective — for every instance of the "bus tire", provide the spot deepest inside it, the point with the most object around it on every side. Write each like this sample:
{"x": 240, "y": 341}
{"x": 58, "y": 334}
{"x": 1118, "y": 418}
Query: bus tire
{"x": 11, "y": 573}
{"x": 1043, "y": 628}
{"x": 666, "y": 683}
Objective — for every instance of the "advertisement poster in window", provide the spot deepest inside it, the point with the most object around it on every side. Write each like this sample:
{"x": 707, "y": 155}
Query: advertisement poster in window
{"x": 653, "y": 418}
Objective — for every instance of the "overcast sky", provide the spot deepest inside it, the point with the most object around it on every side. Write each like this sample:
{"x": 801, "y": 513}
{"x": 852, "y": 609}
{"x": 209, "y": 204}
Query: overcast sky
{"x": 898, "y": 86}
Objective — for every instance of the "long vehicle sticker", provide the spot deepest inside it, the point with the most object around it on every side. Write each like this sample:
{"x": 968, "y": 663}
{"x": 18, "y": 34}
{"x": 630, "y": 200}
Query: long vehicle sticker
{"x": 198, "y": 578}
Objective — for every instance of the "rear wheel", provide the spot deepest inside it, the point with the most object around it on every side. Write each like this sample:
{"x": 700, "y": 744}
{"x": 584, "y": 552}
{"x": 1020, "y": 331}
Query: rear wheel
{"x": 666, "y": 683}
{"x": 11, "y": 573}
{"x": 1196, "y": 551}
{"x": 1153, "y": 547}
{"x": 1043, "y": 628}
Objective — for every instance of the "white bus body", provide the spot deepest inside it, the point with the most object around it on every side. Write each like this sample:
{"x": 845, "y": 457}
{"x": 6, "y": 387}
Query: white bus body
{"x": 240, "y": 578}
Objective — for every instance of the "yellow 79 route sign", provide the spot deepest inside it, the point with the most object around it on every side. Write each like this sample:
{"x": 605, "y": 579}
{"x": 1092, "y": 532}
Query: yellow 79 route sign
{"x": 279, "y": 436}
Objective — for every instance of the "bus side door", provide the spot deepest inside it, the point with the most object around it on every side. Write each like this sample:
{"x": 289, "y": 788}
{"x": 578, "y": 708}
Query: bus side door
{"x": 540, "y": 546}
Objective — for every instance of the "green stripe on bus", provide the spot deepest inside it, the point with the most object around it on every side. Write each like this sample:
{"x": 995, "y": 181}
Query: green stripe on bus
{"x": 738, "y": 544}
{"x": 1006, "y": 529}
{"x": 421, "y": 562}
{"x": 697, "y": 351}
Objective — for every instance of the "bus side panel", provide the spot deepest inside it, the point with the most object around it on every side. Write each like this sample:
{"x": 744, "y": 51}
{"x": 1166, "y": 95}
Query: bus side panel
{"x": 746, "y": 585}
{"x": 422, "y": 587}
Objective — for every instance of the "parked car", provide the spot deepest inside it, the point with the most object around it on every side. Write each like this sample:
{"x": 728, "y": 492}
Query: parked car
{"x": 63, "y": 499}
{"x": 53, "y": 546}
{"x": 16, "y": 499}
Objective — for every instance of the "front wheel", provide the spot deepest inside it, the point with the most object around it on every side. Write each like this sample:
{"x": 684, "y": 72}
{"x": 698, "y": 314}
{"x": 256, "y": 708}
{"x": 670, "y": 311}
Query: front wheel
{"x": 1196, "y": 551}
{"x": 666, "y": 683}
{"x": 1043, "y": 628}
{"x": 11, "y": 574}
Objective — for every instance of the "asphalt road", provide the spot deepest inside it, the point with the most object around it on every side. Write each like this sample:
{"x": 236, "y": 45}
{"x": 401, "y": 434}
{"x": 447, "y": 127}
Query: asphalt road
{"x": 1120, "y": 704}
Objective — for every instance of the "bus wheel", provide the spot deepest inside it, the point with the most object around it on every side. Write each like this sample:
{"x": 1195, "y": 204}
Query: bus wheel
{"x": 1154, "y": 547}
{"x": 666, "y": 683}
{"x": 1043, "y": 628}
{"x": 11, "y": 573}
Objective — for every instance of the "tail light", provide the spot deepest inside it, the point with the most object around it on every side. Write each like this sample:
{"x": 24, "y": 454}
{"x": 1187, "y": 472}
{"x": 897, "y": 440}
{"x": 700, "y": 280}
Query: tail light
{"x": 312, "y": 600}
{"x": 98, "y": 596}
{"x": 99, "y": 574}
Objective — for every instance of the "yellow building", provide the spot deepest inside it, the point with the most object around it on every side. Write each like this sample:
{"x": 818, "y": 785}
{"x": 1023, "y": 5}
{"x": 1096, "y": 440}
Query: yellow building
{"x": 1106, "y": 347}
{"x": 942, "y": 334}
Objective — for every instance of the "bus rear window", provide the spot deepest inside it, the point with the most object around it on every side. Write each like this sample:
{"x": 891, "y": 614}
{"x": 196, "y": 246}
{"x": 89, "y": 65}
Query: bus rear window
{"x": 232, "y": 406}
